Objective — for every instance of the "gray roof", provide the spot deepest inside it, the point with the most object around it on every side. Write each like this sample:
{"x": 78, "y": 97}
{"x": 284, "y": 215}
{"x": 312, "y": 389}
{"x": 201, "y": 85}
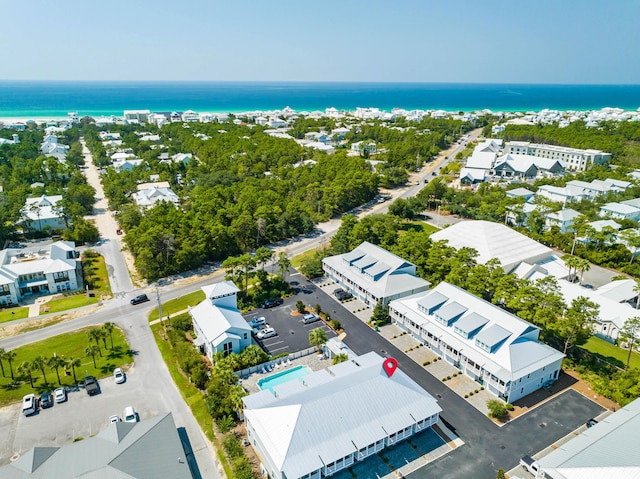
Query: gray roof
{"x": 493, "y": 335}
{"x": 450, "y": 311}
{"x": 470, "y": 323}
{"x": 148, "y": 449}
{"x": 608, "y": 450}
{"x": 432, "y": 301}
{"x": 293, "y": 427}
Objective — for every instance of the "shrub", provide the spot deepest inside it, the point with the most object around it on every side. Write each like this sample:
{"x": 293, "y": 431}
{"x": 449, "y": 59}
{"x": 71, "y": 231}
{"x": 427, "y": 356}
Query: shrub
{"x": 318, "y": 309}
{"x": 426, "y": 363}
{"x": 497, "y": 409}
{"x": 225, "y": 423}
{"x": 466, "y": 396}
{"x": 510, "y": 407}
{"x": 300, "y": 306}
{"x": 335, "y": 324}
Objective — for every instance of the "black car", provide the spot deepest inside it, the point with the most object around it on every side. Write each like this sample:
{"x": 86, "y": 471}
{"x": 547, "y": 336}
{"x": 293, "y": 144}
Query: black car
{"x": 272, "y": 303}
{"x": 91, "y": 385}
{"x": 46, "y": 400}
{"x": 141, "y": 298}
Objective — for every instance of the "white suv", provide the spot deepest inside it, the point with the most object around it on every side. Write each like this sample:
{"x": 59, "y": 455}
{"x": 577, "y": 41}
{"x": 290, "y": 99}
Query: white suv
{"x": 29, "y": 404}
{"x": 130, "y": 414}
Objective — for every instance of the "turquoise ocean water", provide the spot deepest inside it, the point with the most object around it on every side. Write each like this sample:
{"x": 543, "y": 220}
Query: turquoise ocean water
{"x": 53, "y": 99}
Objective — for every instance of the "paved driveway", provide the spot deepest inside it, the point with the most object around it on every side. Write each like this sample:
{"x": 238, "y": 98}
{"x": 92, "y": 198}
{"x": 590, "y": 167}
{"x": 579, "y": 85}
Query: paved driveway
{"x": 487, "y": 447}
{"x": 293, "y": 334}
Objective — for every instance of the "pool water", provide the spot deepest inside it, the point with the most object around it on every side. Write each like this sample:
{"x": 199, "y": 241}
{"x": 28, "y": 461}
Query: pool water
{"x": 282, "y": 377}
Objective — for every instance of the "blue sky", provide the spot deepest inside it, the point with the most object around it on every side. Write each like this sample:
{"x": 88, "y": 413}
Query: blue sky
{"x": 469, "y": 41}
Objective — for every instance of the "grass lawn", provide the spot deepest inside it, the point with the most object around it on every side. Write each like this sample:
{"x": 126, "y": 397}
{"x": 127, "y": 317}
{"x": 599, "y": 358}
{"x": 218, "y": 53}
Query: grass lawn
{"x": 178, "y": 304}
{"x": 13, "y": 313}
{"x": 296, "y": 261}
{"x": 68, "y": 302}
{"x": 70, "y": 345}
{"x": 611, "y": 353}
{"x": 96, "y": 276}
{"x": 417, "y": 226}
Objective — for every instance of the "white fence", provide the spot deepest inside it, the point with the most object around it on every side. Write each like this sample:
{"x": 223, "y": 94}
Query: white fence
{"x": 244, "y": 373}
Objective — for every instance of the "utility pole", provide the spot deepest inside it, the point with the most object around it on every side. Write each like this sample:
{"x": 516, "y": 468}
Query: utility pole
{"x": 159, "y": 304}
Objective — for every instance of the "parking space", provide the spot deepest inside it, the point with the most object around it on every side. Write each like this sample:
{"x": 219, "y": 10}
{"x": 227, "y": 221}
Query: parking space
{"x": 81, "y": 416}
{"x": 293, "y": 334}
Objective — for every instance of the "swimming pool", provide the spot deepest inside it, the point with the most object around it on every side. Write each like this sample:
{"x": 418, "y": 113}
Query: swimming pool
{"x": 282, "y": 377}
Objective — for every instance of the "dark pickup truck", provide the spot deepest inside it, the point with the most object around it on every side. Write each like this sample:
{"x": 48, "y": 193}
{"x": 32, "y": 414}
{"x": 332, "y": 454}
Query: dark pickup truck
{"x": 91, "y": 385}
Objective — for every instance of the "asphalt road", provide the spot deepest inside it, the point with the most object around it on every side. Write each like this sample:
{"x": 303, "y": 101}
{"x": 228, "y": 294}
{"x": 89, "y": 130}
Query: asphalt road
{"x": 487, "y": 447}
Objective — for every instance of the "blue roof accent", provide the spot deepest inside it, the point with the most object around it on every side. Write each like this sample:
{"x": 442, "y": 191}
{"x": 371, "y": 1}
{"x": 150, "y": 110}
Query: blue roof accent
{"x": 432, "y": 301}
{"x": 471, "y": 323}
{"x": 451, "y": 311}
{"x": 493, "y": 335}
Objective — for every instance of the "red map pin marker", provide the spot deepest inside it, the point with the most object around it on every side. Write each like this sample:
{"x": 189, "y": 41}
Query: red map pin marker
{"x": 390, "y": 365}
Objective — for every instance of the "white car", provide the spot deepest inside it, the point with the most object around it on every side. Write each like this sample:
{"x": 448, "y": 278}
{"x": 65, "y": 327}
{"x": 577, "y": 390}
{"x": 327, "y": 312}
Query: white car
{"x": 29, "y": 404}
{"x": 118, "y": 376}
{"x": 60, "y": 395}
{"x": 114, "y": 418}
{"x": 310, "y": 318}
{"x": 266, "y": 333}
{"x": 257, "y": 322}
{"x": 130, "y": 414}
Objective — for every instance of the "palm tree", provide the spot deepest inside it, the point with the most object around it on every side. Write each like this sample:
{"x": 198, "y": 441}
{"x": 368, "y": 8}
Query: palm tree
{"x": 572, "y": 263}
{"x": 317, "y": 338}
{"x": 102, "y": 334}
{"x": 55, "y": 362}
{"x": 283, "y": 263}
{"x": 636, "y": 289}
{"x": 25, "y": 369}
{"x": 39, "y": 363}
{"x": 108, "y": 328}
{"x": 92, "y": 351}
{"x": 2, "y": 353}
{"x": 73, "y": 363}
{"x": 10, "y": 356}
{"x": 583, "y": 266}
{"x": 94, "y": 335}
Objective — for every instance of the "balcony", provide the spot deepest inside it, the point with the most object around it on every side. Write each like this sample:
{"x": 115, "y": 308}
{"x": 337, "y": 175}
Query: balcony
{"x": 61, "y": 279}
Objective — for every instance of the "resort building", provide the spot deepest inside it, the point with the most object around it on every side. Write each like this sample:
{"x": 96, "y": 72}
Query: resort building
{"x": 136, "y": 116}
{"x": 526, "y": 167}
{"x": 607, "y": 450}
{"x": 25, "y": 273}
{"x": 495, "y": 348}
{"x": 574, "y": 158}
{"x": 328, "y": 420}
{"x": 495, "y": 240}
{"x": 43, "y": 213}
{"x": 133, "y": 450}
{"x": 373, "y": 274}
{"x": 217, "y": 321}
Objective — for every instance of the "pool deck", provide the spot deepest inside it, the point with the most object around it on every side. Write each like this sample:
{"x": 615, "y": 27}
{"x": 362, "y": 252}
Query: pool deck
{"x": 312, "y": 361}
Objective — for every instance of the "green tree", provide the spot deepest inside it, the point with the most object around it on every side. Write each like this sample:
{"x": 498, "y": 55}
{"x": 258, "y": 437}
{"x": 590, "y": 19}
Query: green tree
{"x": 631, "y": 238}
{"x": 24, "y": 369}
{"x": 73, "y": 363}
{"x": 500, "y": 474}
{"x": 92, "y": 350}
{"x": 39, "y": 363}
{"x": 300, "y": 306}
{"x": 95, "y": 334}
{"x": 108, "y": 328}
{"x": 380, "y": 314}
{"x": 9, "y": 356}
{"x": 340, "y": 358}
{"x": 630, "y": 333}
{"x": 263, "y": 256}
{"x": 2, "y": 355}
{"x": 317, "y": 338}
{"x": 283, "y": 264}
{"x": 576, "y": 327}
{"x": 583, "y": 266}
{"x": 572, "y": 263}
{"x": 55, "y": 363}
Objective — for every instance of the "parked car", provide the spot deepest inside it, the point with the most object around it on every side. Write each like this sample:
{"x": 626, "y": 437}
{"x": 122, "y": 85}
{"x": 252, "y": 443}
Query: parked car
{"x": 256, "y": 322}
{"x": 272, "y": 303}
{"x": 267, "y": 332}
{"x": 310, "y": 318}
{"x": 114, "y": 418}
{"x": 130, "y": 414}
{"x": 118, "y": 376}
{"x": 141, "y": 298}
{"x": 29, "y": 404}
{"x": 91, "y": 385}
{"x": 46, "y": 400}
{"x": 591, "y": 422}
{"x": 338, "y": 291}
{"x": 60, "y": 394}
{"x": 342, "y": 295}
{"x": 530, "y": 465}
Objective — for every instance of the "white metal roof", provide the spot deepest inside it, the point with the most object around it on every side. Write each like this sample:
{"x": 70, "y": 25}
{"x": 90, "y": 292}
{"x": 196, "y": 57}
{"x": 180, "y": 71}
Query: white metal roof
{"x": 216, "y": 320}
{"x": 494, "y": 240}
{"x": 608, "y": 450}
{"x": 310, "y": 427}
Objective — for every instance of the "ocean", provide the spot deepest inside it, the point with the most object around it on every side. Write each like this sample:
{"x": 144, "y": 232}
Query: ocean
{"x": 36, "y": 99}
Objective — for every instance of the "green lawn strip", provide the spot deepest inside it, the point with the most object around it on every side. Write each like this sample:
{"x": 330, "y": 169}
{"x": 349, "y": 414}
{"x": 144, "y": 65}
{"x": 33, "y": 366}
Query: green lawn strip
{"x": 296, "y": 261}
{"x": 611, "y": 353}
{"x": 100, "y": 276}
{"x": 65, "y": 345}
{"x": 13, "y": 313}
{"x": 68, "y": 302}
{"x": 191, "y": 394}
{"x": 178, "y": 304}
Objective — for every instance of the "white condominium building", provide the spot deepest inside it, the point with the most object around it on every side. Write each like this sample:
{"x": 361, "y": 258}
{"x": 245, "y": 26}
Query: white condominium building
{"x": 574, "y": 158}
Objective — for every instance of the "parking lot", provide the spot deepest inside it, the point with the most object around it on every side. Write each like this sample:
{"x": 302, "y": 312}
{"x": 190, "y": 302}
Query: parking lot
{"x": 293, "y": 334}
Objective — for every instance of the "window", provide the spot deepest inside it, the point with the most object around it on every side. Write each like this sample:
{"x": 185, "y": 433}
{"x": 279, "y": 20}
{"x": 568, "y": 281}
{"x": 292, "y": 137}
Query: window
{"x": 245, "y": 336}
{"x": 227, "y": 348}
